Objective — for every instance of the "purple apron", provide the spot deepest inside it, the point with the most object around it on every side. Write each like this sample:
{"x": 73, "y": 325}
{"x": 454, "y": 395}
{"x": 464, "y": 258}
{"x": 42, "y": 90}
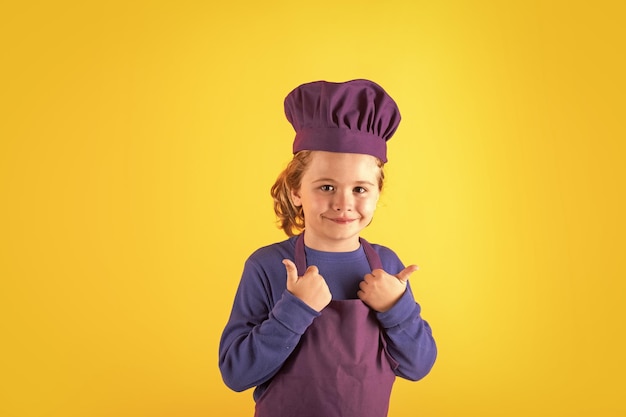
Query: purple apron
{"x": 340, "y": 368}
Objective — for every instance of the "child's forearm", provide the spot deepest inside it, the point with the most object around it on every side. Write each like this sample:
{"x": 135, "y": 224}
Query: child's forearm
{"x": 250, "y": 354}
{"x": 409, "y": 338}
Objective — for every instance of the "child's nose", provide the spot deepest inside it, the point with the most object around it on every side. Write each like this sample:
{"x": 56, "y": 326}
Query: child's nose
{"x": 343, "y": 201}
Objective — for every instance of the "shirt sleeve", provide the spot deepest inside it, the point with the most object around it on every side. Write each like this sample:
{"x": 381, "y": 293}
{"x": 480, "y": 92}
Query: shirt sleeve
{"x": 409, "y": 337}
{"x": 260, "y": 333}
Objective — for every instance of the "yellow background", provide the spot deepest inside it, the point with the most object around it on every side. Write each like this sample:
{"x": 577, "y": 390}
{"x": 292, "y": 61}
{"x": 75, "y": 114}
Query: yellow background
{"x": 138, "y": 142}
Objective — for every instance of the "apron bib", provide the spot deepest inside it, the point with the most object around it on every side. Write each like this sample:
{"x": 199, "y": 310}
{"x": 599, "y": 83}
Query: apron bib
{"x": 340, "y": 368}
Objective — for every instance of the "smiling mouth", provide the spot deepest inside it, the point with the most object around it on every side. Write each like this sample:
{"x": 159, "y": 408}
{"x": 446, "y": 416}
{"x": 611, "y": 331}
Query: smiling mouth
{"x": 341, "y": 220}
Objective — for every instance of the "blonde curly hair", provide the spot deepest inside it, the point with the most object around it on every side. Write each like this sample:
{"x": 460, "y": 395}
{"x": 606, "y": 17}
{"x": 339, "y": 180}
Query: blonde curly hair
{"x": 290, "y": 218}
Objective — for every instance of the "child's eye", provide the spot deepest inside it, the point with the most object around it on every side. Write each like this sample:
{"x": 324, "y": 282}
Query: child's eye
{"x": 327, "y": 188}
{"x": 359, "y": 190}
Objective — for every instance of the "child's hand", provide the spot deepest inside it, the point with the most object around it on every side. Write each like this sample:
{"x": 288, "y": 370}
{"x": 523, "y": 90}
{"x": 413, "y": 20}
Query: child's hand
{"x": 380, "y": 291}
{"x": 311, "y": 288}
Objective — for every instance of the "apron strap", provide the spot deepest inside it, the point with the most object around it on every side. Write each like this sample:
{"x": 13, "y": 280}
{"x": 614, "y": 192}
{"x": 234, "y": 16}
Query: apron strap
{"x": 300, "y": 256}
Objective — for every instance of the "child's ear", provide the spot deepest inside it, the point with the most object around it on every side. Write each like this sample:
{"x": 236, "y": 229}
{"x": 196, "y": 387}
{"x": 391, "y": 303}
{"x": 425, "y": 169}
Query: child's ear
{"x": 295, "y": 198}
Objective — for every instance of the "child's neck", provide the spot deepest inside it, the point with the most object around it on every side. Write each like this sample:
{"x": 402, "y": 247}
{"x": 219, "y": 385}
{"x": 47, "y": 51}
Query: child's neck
{"x": 329, "y": 245}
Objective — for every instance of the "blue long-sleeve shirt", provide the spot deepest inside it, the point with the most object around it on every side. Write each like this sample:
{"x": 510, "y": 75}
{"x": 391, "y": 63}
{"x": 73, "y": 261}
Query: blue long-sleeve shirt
{"x": 267, "y": 321}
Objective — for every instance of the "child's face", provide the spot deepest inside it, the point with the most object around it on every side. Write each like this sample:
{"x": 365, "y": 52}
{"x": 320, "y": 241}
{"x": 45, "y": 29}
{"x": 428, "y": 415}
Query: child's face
{"x": 338, "y": 195}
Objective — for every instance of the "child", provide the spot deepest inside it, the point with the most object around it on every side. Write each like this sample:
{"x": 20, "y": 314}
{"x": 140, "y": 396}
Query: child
{"x": 324, "y": 321}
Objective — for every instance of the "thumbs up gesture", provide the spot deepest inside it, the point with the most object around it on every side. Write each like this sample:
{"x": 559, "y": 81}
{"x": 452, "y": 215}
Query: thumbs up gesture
{"x": 380, "y": 291}
{"x": 311, "y": 288}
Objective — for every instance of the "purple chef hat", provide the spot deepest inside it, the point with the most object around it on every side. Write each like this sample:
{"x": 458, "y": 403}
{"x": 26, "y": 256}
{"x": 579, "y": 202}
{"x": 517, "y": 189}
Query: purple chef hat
{"x": 355, "y": 116}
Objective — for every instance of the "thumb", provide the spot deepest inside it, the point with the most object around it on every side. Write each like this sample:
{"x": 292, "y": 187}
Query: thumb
{"x": 292, "y": 271}
{"x": 406, "y": 272}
